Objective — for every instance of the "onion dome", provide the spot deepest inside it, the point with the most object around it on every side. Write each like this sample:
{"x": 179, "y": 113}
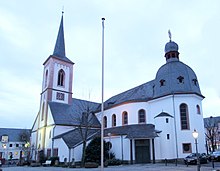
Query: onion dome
{"x": 171, "y": 47}
{"x": 175, "y": 77}
{"x": 171, "y": 50}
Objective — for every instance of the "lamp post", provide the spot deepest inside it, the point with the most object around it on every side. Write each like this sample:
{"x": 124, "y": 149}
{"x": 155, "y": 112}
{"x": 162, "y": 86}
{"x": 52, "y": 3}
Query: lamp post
{"x": 102, "y": 107}
{"x": 195, "y": 135}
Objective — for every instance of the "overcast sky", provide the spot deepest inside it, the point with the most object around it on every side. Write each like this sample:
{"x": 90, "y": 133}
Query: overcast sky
{"x": 135, "y": 36}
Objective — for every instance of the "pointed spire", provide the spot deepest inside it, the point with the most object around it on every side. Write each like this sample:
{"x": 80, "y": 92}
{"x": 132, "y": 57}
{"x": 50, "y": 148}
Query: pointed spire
{"x": 59, "y": 49}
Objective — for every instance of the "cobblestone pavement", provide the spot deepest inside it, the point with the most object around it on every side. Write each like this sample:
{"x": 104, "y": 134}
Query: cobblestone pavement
{"x": 135, "y": 167}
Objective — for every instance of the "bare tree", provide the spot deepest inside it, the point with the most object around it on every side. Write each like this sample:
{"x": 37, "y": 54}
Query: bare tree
{"x": 25, "y": 139}
{"x": 211, "y": 132}
{"x": 87, "y": 123}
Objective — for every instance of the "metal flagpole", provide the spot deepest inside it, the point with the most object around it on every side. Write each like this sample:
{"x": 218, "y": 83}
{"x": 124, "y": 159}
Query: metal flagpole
{"x": 102, "y": 110}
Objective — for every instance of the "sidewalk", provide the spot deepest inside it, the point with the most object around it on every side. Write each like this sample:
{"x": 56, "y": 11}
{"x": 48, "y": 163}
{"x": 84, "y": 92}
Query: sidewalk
{"x": 135, "y": 167}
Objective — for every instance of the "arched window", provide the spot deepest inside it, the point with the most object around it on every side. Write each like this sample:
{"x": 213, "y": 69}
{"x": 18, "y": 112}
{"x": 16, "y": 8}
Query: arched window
{"x": 42, "y": 111}
{"x": 61, "y": 77}
{"x": 141, "y": 116}
{"x": 124, "y": 118}
{"x": 198, "y": 109}
{"x": 105, "y": 121}
{"x": 184, "y": 116}
{"x": 113, "y": 120}
{"x": 46, "y": 77}
{"x": 50, "y": 134}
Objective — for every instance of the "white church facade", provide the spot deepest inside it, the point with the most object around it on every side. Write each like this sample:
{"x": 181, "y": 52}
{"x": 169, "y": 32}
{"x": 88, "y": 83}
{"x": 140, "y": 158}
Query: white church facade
{"x": 153, "y": 121}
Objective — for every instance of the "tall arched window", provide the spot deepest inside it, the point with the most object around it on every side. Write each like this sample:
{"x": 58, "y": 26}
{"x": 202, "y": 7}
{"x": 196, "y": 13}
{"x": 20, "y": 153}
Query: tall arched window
{"x": 46, "y": 77}
{"x": 198, "y": 109}
{"x": 42, "y": 111}
{"x": 105, "y": 121}
{"x": 141, "y": 116}
{"x": 61, "y": 78}
{"x": 113, "y": 120}
{"x": 184, "y": 116}
{"x": 124, "y": 118}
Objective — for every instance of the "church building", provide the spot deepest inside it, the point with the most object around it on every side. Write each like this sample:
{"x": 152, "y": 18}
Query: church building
{"x": 147, "y": 123}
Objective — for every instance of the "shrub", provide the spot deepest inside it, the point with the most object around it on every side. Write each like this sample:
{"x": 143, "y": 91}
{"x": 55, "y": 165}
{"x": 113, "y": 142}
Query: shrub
{"x": 114, "y": 162}
{"x": 42, "y": 157}
{"x": 53, "y": 159}
{"x": 93, "y": 150}
{"x": 91, "y": 165}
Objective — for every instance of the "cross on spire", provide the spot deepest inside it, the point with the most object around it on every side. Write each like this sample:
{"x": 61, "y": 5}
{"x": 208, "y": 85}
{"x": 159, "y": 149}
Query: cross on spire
{"x": 170, "y": 35}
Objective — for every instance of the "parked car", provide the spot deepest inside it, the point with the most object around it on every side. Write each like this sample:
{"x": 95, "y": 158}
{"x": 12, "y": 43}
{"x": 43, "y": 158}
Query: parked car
{"x": 192, "y": 158}
{"x": 215, "y": 156}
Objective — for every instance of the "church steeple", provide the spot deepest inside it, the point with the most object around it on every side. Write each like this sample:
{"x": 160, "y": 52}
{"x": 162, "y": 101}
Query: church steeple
{"x": 58, "y": 73}
{"x": 59, "y": 49}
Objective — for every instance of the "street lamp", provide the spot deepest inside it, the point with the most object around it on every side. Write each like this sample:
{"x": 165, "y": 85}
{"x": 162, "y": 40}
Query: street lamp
{"x": 195, "y": 135}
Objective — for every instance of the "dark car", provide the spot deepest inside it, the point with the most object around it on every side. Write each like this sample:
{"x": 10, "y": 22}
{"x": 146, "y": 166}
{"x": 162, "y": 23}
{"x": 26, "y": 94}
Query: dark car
{"x": 215, "y": 156}
{"x": 192, "y": 158}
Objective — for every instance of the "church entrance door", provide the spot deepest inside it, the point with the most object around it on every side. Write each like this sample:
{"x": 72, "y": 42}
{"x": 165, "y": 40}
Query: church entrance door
{"x": 142, "y": 151}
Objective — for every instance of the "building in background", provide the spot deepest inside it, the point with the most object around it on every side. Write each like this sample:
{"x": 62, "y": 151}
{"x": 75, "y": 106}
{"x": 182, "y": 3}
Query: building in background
{"x": 212, "y": 132}
{"x": 150, "y": 122}
{"x": 15, "y": 143}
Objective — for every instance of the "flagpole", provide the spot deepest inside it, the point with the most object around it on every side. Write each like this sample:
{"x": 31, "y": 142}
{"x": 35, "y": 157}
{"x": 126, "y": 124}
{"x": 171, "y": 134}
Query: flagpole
{"x": 102, "y": 110}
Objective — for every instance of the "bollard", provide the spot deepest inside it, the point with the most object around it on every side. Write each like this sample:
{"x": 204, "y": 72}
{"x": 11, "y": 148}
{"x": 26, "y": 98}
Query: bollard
{"x": 176, "y": 162}
{"x": 187, "y": 163}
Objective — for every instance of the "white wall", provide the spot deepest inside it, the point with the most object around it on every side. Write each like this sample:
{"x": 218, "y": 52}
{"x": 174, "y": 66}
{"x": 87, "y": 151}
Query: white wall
{"x": 63, "y": 150}
{"x": 171, "y": 105}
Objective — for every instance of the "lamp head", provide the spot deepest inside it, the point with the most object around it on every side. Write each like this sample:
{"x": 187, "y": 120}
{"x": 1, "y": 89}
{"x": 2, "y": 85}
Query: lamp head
{"x": 195, "y": 134}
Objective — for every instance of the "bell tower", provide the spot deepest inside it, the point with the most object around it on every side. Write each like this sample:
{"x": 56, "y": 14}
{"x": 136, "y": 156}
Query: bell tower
{"x": 56, "y": 85}
{"x": 58, "y": 73}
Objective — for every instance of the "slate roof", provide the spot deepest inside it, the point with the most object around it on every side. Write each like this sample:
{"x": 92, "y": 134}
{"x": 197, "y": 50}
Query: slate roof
{"x": 163, "y": 114}
{"x": 14, "y": 135}
{"x": 73, "y": 138}
{"x": 170, "y": 73}
{"x": 211, "y": 121}
{"x": 64, "y": 114}
{"x": 59, "y": 49}
{"x": 171, "y": 46}
{"x": 139, "y": 93}
{"x": 133, "y": 131}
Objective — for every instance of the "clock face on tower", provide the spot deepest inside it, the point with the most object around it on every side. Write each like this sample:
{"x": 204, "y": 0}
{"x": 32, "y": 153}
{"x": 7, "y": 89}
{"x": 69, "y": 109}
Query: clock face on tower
{"x": 60, "y": 96}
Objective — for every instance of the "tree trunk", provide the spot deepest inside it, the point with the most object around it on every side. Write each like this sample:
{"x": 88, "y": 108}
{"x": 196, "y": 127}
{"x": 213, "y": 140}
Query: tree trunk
{"x": 83, "y": 154}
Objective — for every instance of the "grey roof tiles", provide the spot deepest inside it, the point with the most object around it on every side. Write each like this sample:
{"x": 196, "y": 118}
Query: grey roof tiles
{"x": 74, "y": 138}
{"x": 14, "y": 135}
{"x": 64, "y": 114}
{"x": 133, "y": 131}
{"x": 59, "y": 49}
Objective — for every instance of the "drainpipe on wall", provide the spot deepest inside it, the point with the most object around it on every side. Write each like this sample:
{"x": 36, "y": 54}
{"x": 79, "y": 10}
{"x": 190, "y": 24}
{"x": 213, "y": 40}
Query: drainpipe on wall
{"x": 122, "y": 150}
{"x": 174, "y": 113}
{"x": 153, "y": 150}
{"x": 69, "y": 155}
{"x": 131, "y": 151}
{"x": 53, "y": 141}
